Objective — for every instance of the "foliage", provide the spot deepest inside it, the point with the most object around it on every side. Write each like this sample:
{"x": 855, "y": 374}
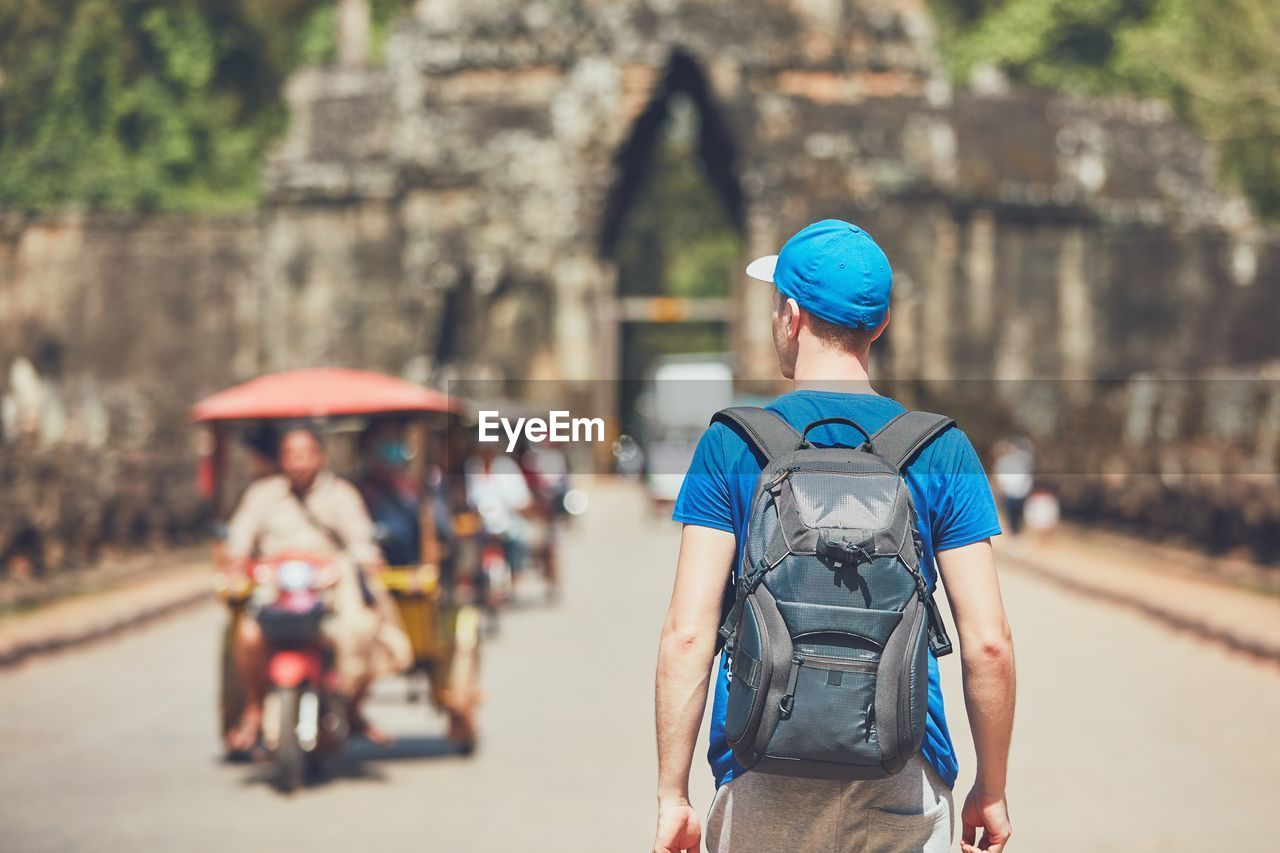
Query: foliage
{"x": 1228, "y": 82}
{"x": 143, "y": 104}
{"x": 1215, "y": 62}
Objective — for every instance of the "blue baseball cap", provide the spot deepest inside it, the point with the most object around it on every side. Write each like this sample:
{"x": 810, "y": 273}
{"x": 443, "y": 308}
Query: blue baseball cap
{"x": 834, "y": 269}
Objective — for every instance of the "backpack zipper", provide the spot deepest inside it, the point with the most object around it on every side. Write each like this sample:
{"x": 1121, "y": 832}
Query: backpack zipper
{"x": 842, "y": 473}
{"x": 830, "y": 467}
{"x": 833, "y": 662}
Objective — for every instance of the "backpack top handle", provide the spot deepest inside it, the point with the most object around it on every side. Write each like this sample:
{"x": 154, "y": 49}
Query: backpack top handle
{"x": 822, "y": 421}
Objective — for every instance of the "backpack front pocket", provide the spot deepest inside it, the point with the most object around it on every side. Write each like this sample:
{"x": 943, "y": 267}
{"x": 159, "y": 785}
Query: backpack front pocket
{"x": 827, "y": 712}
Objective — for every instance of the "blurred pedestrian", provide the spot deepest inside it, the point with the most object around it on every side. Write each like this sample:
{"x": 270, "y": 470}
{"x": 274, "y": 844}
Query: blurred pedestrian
{"x": 830, "y": 303}
{"x": 1015, "y": 465}
{"x": 1042, "y": 513}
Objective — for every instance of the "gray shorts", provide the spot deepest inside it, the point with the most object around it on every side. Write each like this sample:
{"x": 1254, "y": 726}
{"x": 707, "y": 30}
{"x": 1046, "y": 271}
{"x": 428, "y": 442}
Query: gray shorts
{"x": 762, "y": 813}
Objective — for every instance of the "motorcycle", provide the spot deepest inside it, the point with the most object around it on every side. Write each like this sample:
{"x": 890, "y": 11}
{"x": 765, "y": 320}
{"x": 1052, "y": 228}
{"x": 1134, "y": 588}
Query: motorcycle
{"x": 442, "y": 623}
{"x": 485, "y": 575}
{"x": 304, "y": 716}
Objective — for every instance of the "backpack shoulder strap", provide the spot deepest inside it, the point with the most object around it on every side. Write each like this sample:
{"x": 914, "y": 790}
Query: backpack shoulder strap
{"x": 898, "y": 441}
{"x": 768, "y": 434}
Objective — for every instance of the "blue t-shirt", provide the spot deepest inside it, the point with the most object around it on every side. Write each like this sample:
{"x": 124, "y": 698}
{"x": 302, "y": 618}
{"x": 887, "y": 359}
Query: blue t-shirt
{"x": 948, "y": 485}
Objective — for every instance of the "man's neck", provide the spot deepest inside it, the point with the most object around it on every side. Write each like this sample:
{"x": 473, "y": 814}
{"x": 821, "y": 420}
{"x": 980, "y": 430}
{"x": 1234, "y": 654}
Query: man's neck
{"x": 822, "y": 369}
{"x": 304, "y": 490}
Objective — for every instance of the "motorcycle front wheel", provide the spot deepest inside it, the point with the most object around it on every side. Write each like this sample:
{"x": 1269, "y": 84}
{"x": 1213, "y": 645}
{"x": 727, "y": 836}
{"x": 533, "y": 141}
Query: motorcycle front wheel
{"x": 290, "y": 759}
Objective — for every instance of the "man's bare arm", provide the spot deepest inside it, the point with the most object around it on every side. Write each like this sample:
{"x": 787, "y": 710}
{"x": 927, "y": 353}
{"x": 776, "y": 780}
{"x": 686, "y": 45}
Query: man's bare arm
{"x": 685, "y": 652}
{"x": 242, "y": 531}
{"x": 986, "y": 655}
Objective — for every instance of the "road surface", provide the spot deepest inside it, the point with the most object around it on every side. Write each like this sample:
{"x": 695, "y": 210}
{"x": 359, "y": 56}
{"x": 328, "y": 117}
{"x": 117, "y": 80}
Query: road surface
{"x": 1130, "y": 737}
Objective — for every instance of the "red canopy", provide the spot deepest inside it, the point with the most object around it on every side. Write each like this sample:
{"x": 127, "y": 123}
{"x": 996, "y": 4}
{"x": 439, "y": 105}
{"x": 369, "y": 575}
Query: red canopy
{"x": 318, "y": 393}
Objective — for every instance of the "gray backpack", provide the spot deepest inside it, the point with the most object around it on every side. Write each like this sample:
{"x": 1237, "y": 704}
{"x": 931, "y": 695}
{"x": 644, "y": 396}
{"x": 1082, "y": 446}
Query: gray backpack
{"x": 829, "y": 623}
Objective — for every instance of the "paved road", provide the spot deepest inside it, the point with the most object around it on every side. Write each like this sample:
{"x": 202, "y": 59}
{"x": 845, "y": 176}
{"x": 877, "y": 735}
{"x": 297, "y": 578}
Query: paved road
{"x": 1130, "y": 737}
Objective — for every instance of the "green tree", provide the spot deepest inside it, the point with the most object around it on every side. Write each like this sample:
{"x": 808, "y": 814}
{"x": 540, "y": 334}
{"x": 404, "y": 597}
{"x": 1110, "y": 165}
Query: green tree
{"x": 1215, "y": 62}
{"x": 1223, "y": 72}
{"x": 142, "y": 104}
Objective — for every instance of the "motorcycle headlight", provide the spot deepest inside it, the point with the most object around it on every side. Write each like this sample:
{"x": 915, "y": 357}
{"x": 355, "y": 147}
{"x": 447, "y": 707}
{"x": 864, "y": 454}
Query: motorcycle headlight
{"x": 295, "y": 575}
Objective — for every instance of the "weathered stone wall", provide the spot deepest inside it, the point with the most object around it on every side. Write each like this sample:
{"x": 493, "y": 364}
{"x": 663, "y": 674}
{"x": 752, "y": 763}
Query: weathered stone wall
{"x": 504, "y": 141}
{"x": 1033, "y": 235}
{"x": 109, "y": 329}
{"x": 453, "y": 214}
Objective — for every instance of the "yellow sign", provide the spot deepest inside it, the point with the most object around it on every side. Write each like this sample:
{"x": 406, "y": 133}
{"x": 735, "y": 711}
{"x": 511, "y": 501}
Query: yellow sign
{"x": 668, "y": 309}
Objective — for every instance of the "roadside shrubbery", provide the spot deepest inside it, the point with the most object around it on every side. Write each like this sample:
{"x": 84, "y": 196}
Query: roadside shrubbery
{"x": 149, "y": 104}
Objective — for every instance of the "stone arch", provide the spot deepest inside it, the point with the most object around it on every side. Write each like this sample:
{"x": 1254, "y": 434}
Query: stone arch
{"x": 717, "y": 151}
{"x": 653, "y": 313}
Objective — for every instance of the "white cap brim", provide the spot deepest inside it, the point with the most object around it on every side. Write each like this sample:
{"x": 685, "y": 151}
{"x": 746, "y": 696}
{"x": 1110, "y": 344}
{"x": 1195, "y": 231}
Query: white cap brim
{"x": 762, "y": 268}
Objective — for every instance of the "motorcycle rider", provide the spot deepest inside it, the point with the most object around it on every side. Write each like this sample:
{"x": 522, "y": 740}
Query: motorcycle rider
{"x": 496, "y": 489}
{"x": 308, "y": 509}
{"x": 546, "y": 471}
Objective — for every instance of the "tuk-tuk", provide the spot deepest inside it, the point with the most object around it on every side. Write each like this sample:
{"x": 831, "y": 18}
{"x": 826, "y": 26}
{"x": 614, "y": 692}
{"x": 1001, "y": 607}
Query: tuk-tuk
{"x": 443, "y": 628}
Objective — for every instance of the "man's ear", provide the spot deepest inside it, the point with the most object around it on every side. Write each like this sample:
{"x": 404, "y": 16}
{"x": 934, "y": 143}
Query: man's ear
{"x": 875, "y": 336}
{"x": 791, "y": 317}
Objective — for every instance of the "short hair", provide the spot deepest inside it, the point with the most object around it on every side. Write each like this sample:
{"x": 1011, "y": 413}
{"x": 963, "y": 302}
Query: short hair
{"x": 305, "y": 429}
{"x": 844, "y": 338}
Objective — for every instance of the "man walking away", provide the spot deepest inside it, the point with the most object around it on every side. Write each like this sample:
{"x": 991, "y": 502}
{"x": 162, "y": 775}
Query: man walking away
{"x": 831, "y": 303}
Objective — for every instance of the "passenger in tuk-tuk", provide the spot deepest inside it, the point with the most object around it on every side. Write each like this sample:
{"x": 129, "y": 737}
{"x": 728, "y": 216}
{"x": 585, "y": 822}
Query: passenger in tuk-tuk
{"x": 438, "y": 487}
{"x": 390, "y": 494}
{"x": 396, "y": 502}
{"x": 309, "y": 509}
